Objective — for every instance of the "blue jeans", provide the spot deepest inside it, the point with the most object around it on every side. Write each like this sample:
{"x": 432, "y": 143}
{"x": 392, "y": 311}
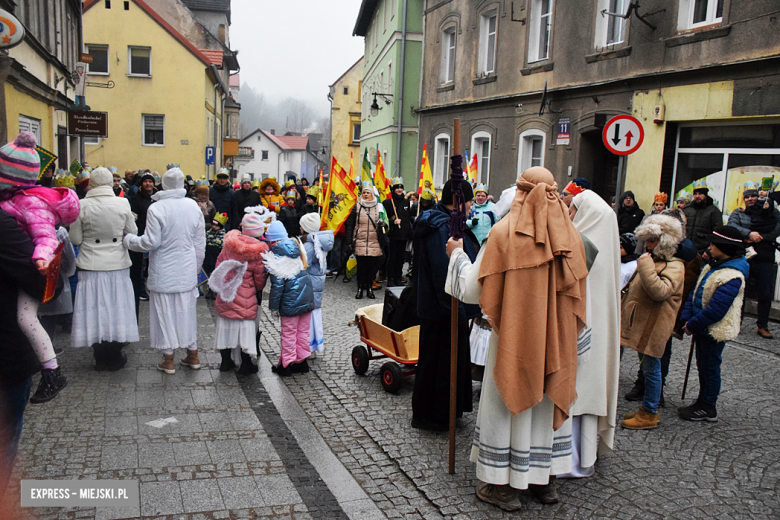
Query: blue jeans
{"x": 709, "y": 355}
{"x": 651, "y": 367}
{"x": 13, "y": 400}
{"x": 665, "y": 359}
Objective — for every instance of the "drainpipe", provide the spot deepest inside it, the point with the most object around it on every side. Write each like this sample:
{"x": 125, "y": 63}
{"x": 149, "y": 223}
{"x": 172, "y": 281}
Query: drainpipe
{"x": 401, "y": 94}
{"x": 330, "y": 135}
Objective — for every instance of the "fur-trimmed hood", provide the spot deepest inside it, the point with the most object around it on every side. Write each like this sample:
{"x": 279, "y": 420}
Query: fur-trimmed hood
{"x": 269, "y": 182}
{"x": 244, "y": 248}
{"x": 667, "y": 229}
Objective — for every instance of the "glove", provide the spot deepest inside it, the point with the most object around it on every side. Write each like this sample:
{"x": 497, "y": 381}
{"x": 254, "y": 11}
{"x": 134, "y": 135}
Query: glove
{"x": 349, "y": 250}
{"x": 475, "y": 221}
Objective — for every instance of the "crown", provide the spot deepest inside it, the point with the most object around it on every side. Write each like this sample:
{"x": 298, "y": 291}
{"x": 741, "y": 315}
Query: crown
{"x": 752, "y": 185}
{"x": 427, "y": 194}
{"x": 222, "y": 218}
{"x": 573, "y": 188}
{"x": 367, "y": 185}
{"x": 700, "y": 184}
{"x": 397, "y": 181}
{"x": 481, "y": 187}
{"x": 685, "y": 195}
{"x": 661, "y": 197}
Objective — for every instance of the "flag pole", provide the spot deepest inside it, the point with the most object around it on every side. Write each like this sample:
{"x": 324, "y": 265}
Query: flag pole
{"x": 454, "y": 301}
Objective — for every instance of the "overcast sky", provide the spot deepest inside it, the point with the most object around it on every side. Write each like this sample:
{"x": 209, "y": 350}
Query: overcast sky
{"x": 295, "y": 47}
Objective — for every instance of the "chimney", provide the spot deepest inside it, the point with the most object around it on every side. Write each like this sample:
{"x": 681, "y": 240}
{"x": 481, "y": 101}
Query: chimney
{"x": 273, "y": 132}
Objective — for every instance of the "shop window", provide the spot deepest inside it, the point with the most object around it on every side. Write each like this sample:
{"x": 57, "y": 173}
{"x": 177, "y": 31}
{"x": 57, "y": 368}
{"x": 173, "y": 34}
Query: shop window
{"x": 139, "y": 61}
{"x": 540, "y": 30}
{"x": 154, "y": 130}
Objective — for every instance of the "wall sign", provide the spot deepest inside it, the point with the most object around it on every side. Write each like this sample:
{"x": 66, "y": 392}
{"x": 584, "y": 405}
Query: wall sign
{"x": 11, "y": 30}
{"x": 91, "y": 124}
{"x": 564, "y": 131}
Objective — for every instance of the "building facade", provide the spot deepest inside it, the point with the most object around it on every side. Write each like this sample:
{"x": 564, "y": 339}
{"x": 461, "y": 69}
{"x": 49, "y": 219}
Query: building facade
{"x": 266, "y": 155}
{"x": 346, "y": 114}
{"x": 168, "y": 101}
{"x": 393, "y": 35}
{"x": 535, "y": 81}
{"x": 38, "y": 90}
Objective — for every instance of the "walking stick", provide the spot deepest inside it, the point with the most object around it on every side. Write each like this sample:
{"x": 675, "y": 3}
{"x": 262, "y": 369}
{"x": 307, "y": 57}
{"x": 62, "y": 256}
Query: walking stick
{"x": 688, "y": 369}
{"x": 457, "y": 226}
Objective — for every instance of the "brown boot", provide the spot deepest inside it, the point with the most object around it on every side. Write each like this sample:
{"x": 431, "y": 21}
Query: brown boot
{"x": 631, "y": 415}
{"x": 167, "y": 365}
{"x": 764, "y": 333}
{"x": 191, "y": 360}
{"x": 642, "y": 421}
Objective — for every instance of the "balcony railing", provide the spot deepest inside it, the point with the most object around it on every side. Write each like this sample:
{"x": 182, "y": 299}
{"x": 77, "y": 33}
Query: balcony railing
{"x": 246, "y": 151}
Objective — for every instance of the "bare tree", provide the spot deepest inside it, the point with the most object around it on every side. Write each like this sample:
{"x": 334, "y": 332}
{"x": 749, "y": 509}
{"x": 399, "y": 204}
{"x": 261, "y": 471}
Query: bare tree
{"x": 299, "y": 116}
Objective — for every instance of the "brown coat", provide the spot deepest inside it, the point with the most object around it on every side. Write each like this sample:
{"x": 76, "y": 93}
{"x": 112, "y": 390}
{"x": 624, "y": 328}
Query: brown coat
{"x": 649, "y": 309}
{"x": 365, "y": 240}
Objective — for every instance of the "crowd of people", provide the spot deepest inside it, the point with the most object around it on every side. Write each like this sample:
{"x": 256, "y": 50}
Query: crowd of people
{"x": 591, "y": 281}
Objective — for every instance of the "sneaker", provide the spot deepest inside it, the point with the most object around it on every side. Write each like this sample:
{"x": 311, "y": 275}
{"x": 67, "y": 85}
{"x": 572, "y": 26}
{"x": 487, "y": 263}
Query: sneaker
{"x": 637, "y": 393}
{"x": 547, "y": 494}
{"x": 52, "y": 382}
{"x": 764, "y": 333}
{"x": 503, "y": 497}
{"x": 143, "y": 297}
{"x": 698, "y": 411}
{"x": 57, "y": 351}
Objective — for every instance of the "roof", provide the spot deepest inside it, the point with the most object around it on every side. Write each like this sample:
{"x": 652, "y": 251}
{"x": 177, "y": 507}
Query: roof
{"x": 294, "y": 142}
{"x": 165, "y": 25}
{"x": 366, "y": 13}
{"x": 208, "y": 5}
{"x": 347, "y": 71}
{"x": 214, "y": 57}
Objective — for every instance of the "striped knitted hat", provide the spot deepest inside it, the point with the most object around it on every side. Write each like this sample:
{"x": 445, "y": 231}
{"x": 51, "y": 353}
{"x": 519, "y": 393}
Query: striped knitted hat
{"x": 252, "y": 225}
{"x": 20, "y": 163}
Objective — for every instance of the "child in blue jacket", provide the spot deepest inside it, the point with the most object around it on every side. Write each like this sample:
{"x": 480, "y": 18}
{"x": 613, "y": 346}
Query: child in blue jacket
{"x": 712, "y": 314}
{"x": 291, "y": 296}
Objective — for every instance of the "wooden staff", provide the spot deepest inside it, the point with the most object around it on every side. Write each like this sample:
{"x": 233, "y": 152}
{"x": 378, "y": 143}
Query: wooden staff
{"x": 454, "y": 331}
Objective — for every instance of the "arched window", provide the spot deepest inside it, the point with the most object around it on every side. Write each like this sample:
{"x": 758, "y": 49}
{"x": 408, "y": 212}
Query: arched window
{"x": 441, "y": 160}
{"x": 530, "y": 150}
{"x": 481, "y": 143}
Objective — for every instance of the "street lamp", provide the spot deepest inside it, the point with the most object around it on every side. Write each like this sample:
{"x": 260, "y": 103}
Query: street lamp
{"x": 375, "y": 106}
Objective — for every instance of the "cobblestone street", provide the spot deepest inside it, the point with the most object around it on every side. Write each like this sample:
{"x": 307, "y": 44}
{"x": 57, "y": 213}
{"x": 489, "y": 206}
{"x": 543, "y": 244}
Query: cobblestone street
{"x": 338, "y": 446}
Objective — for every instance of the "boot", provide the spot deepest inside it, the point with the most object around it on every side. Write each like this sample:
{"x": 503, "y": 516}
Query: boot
{"x": 247, "y": 367}
{"x": 281, "y": 371}
{"x": 115, "y": 359}
{"x": 370, "y": 293}
{"x": 191, "y": 360}
{"x": 764, "y": 333}
{"x": 631, "y": 415}
{"x": 642, "y": 421}
{"x": 99, "y": 351}
{"x": 359, "y": 295}
{"x": 227, "y": 361}
{"x": 167, "y": 365}
{"x": 52, "y": 382}
{"x": 637, "y": 393}
{"x": 300, "y": 368}
{"x": 547, "y": 493}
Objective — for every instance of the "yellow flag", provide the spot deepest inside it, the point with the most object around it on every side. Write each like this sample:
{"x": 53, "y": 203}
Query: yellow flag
{"x": 426, "y": 177}
{"x": 340, "y": 199}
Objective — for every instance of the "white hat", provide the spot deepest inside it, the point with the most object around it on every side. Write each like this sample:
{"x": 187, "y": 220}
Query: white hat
{"x": 310, "y": 222}
{"x": 173, "y": 179}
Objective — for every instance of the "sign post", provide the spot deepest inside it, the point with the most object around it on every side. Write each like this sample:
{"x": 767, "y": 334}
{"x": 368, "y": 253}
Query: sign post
{"x": 622, "y": 135}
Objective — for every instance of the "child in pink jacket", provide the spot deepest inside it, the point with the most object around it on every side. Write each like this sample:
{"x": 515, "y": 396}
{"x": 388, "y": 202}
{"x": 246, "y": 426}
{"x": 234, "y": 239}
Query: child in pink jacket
{"x": 238, "y": 280}
{"x": 37, "y": 210}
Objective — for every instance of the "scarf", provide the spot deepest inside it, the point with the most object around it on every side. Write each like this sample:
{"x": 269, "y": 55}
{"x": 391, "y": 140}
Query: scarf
{"x": 533, "y": 272}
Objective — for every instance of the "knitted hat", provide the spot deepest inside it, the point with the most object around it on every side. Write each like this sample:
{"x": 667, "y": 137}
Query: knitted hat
{"x": 276, "y": 231}
{"x": 20, "y": 163}
{"x": 310, "y": 222}
{"x": 728, "y": 239}
{"x": 628, "y": 242}
{"x": 582, "y": 182}
{"x": 148, "y": 176}
{"x": 221, "y": 219}
{"x": 100, "y": 177}
{"x": 252, "y": 225}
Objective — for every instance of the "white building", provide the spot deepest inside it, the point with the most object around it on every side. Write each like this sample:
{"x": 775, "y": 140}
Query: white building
{"x": 265, "y": 154}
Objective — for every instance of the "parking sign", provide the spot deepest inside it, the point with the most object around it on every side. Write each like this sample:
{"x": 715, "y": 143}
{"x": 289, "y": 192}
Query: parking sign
{"x": 210, "y": 151}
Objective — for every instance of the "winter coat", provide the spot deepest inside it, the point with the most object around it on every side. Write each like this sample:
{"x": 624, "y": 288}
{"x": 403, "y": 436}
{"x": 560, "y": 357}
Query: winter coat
{"x": 215, "y": 241}
{"x": 432, "y": 229}
{"x": 103, "y": 221}
{"x": 291, "y": 287}
{"x": 403, "y": 211}
{"x": 764, "y": 222}
{"x": 38, "y": 210}
{"x": 224, "y": 199}
{"x": 288, "y": 216}
{"x": 702, "y": 219}
{"x": 139, "y": 205}
{"x": 246, "y": 199}
{"x": 18, "y": 360}
{"x": 649, "y": 309}
{"x": 208, "y": 210}
{"x": 485, "y": 219}
{"x": 364, "y": 228}
{"x": 274, "y": 200}
{"x": 317, "y": 246}
{"x": 714, "y": 307}
{"x": 629, "y": 218}
{"x": 692, "y": 260}
{"x": 243, "y": 249}
{"x": 175, "y": 241}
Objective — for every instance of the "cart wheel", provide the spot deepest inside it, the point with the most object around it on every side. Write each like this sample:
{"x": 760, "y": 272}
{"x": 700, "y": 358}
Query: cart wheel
{"x": 391, "y": 377}
{"x": 360, "y": 360}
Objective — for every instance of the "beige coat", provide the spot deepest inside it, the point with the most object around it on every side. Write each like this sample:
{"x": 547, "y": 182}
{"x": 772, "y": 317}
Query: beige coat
{"x": 365, "y": 241}
{"x": 649, "y": 309}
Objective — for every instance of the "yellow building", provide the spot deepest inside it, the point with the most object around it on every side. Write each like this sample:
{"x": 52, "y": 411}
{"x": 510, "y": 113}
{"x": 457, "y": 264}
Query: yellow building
{"x": 345, "y": 115}
{"x": 167, "y": 101}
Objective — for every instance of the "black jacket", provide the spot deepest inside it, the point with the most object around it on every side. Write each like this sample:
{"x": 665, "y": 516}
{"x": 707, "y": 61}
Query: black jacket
{"x": 702, "y": 219}
{"x": 288, "y": 216}
{"x": 139, "y": 204}
{"x": 17, "y": 272}
{"x": 629, "y": 218}
{"x": 404, "y": 212}
{"x": 245, "y": 199}
{"x": 224, "y": 199}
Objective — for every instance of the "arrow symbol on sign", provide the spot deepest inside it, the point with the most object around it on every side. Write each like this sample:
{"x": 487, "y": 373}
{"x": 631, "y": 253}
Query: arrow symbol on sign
{"x": 629, "y": 136}
{"x": 616, "y": 139}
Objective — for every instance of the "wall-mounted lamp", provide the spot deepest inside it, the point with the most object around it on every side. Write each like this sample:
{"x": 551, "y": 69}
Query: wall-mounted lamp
{"x": 375, "y": 108}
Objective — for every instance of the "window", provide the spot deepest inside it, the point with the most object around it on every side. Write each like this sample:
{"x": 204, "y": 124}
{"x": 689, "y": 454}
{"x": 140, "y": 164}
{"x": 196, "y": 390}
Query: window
{"x": 29, "y": 124}
{"x": 346, "y": 91}
{"x": 448, "y": 56}
{"x": 541, "y": 27}
{"x": 480, "y": 144}
{"x": 487, "y": 42}
{"x": 530, "y": 150}
{"x": 264, "y": 155}
{"x": 355, "y": 133}
{"x": 139, "y": 61}
{"x": 154, "y": 130}
{"x": 99, "y": 55}
{"x": 441, "y": 160}
{"x": 699, "y": 13}
{"x": 611, "y": 30}
{"x": 91, "y": 140}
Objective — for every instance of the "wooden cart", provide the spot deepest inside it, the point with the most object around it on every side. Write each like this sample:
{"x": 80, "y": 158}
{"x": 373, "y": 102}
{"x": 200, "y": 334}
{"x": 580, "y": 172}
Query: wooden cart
{"x": 402, "y": 347}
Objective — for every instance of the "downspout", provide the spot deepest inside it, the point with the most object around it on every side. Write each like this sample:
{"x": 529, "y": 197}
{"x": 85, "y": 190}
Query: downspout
{"x": 216, "y": 86}
{"x": 401, "y": 94}
{"x": 330, "y": 135}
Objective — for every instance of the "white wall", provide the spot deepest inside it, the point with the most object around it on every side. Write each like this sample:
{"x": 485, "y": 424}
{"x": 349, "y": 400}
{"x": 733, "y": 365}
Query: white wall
{"x": 257, "y": 167}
